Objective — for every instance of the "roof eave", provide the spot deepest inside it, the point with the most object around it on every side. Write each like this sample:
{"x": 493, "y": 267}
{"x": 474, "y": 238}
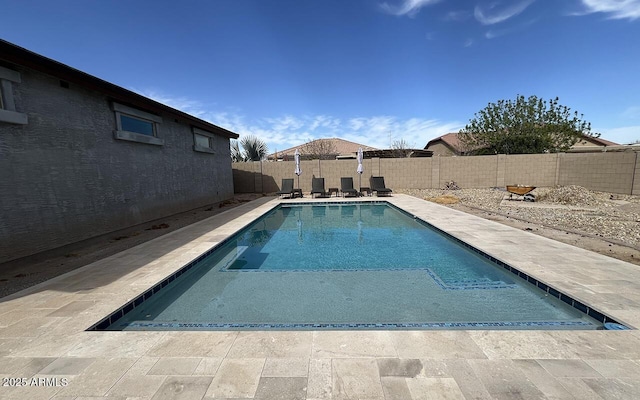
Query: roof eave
{"x": 20, "y": 56}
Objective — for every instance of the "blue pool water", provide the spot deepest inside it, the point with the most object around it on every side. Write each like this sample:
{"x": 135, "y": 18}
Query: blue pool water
{"x": 346, "y": 266}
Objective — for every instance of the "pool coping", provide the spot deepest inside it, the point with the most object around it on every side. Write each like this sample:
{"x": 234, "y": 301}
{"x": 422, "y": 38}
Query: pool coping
{"x": 587, "y": 309}
{"x": 47, "y": 324}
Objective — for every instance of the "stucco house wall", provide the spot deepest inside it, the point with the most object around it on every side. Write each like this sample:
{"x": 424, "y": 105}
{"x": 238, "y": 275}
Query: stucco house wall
{"x": 65, "y": 176}
{"x": 440, "y": 149}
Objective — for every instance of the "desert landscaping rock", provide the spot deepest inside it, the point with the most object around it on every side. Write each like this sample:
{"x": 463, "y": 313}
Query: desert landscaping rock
{"x": 601, "y": 222}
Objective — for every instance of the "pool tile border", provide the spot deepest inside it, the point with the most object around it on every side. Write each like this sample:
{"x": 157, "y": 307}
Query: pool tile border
{"x": 112, "y": 318}
{"x": 539, "y": 284}
{"x": 372, "y": 326}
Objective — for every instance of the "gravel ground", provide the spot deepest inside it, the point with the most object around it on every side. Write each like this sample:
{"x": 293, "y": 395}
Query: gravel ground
{"x": 611, "y": 218}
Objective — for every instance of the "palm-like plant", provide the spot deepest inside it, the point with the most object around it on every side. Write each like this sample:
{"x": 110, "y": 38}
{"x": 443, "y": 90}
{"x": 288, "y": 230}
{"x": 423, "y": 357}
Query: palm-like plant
{"x": 255, "y": 149}
{"x": 236, "y": 154}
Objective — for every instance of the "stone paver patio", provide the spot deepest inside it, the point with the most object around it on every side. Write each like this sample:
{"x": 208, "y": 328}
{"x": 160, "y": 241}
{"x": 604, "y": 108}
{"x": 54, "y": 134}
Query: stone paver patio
{"x": 44, "y": 345}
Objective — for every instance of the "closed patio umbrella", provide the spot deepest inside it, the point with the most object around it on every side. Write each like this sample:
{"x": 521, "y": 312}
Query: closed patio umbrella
{"x": 298, "y": 171}
{"x": 360, "y": 169}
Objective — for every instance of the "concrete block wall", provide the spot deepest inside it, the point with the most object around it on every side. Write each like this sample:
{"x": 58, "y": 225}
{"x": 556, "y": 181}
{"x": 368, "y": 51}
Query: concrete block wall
{"x": 606, "y": 172}
{"x": 617, "y": 172}
{"x": 245, "y": 176}
{"x": 469, "y": 172}
{"x": 636, "y": 177}
{"x": 64, "y": 178}
{"x": 332, "y": 171}
{"x": 406, "y": 173}
{"x": 530, "y": 169}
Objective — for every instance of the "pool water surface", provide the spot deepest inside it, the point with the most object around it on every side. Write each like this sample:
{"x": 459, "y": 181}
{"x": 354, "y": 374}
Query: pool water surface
{"x": 346, "y": 266}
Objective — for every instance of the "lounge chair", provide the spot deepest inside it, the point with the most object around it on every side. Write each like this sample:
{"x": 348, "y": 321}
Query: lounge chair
{"x": 287, "y": 188}
{"x": 346, "y": 187}
{"x": 317, "y": 187}
{"x": 377, "y": 185}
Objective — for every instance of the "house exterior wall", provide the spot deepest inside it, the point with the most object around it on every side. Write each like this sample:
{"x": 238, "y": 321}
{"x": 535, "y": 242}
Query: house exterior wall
{"x": 586, "y": 143}
{"x": 615, "y": 172}
{"x": 440, "y": 149}
{"x": 65, "y": 178}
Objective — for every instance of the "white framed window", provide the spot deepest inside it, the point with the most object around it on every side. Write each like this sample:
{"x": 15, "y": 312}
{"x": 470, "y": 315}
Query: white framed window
{"x": 203, "y": 141}
{"x": 8, "y": 111}
{"x": 136, "y": 125}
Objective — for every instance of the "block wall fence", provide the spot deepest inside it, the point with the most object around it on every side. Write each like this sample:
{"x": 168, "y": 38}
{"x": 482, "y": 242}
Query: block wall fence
{"x": 614, "y": 172}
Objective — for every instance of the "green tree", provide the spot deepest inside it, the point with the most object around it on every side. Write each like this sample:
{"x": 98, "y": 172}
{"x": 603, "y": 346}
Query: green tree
{"x": 524, "y": 126}
{"x": 253, "y": 149}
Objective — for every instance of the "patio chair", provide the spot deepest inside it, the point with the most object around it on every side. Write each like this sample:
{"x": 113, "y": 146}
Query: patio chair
{"x": 378, "y": 186}
{"x": 317, "y": 187}
{"x": 346, "y": 187}
{"x": 287, "y": 188}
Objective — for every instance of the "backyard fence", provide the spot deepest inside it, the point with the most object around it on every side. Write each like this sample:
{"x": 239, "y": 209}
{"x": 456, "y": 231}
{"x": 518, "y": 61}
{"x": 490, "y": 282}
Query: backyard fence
{"x": 614, "y": 172}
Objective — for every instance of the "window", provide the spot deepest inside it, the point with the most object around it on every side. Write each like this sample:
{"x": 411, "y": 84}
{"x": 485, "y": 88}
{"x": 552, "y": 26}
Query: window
{"x": 136, "y": 125}
{"x": 203, "y": 141}
{"x": 8, "y": 111}
{"x": 131, "y": 124}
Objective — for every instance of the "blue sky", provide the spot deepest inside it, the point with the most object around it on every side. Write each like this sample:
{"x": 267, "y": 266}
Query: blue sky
{"x": 369, "y": 71}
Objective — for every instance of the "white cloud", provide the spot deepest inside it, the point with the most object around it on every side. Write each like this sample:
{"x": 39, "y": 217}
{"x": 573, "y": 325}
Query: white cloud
{"x": 622, "y": 135}
{"x": 494, "y": 33}
{"x": 286, "y": 131}
{"x": 632, "y": 112}
{"x": 457, "y": 15}
{"x": 617, "y": 9}
{"x": 184, "y": 104}
{"x": 494, "y": 14}
{"x": 376, "y": 131}
{"x": 381, "y": 131}
{"x": 491, "y": 34}
{"x": 286, "y": 123}
{"x": 468, "y": 42}
{"x": 324, "y": 121}
{"x": 407, "y": 7}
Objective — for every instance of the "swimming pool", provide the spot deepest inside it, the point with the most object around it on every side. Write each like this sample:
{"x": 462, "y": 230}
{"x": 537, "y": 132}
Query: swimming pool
{"x": 348, "y": 266}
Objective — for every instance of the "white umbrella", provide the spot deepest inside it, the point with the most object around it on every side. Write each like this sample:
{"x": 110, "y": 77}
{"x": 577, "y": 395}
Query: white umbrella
{"x": 360, "y": 169}
{"x": 298, "y": 171}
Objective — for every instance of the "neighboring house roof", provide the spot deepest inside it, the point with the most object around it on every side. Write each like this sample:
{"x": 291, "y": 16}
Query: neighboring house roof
{"x": 394, "y": 153}
{"x": 452, "y": 141}
{"x": 342, "y": 148}
{"x": 20, "y": 56}
{"x": 599, "y": 142}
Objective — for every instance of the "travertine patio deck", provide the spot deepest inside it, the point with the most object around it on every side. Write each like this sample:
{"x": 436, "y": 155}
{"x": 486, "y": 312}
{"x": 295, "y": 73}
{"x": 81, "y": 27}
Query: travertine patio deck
{"x": 42, "y": 333}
